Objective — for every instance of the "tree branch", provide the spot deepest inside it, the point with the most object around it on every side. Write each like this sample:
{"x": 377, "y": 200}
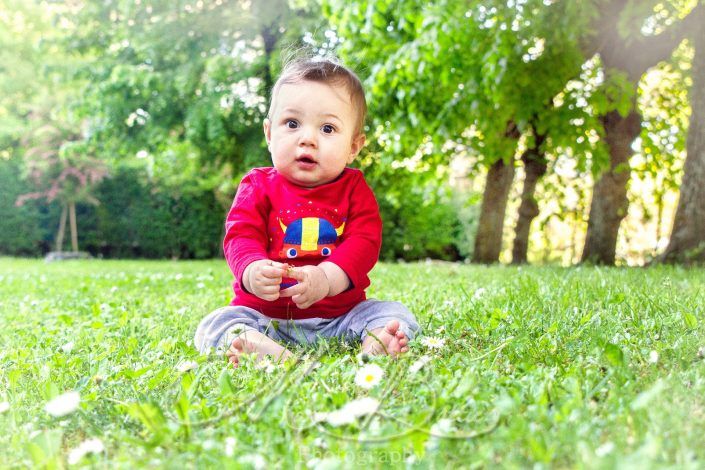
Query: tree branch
{"x": 636, "y": 54}
{"x": 646, "y": 52}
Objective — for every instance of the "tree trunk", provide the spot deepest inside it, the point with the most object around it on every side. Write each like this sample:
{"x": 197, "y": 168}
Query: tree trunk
{"x": 534, "y": 167}
{"x": 609, "y": 199}
{"x": 72, "y": 224}
{"x": 488, "y": 241}
{"x": 687, "y": 243}
{"x": 270, "y": 36}
{"x": 62, "y": 229}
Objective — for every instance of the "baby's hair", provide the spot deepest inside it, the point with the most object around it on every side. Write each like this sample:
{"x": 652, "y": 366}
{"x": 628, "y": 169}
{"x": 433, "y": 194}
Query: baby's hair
{"x": 326, "y": 70}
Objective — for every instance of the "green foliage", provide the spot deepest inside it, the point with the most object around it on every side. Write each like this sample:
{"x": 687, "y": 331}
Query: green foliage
{"x": 167, "y": 74}
{"x": 444, "y": 67}
{"x": 134, "y": 218}
{"x": 540, "y": 367}
{"x": 138, "y": 219}
{"x": 420, "y": 219}
{"x": 23, "y": 233}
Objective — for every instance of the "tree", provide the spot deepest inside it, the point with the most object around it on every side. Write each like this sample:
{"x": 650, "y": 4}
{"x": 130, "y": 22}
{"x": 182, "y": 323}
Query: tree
{"x": 687, "y": 243}
{"x": 469, "y": 74}
{"x": 626, "y": 54}
{"x": 535, "y": 166}
{"x": 57, "y": 161}
{"x": 185, "y": 86}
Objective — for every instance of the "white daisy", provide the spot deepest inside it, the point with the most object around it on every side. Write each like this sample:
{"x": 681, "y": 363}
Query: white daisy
{"x": 433, "y": 343}
{"x": 368, "y": 376}
{"x": 339, "y": 418}
{"x": 479, "y": 293}
{"x": 185, "y": 366}
{"x": 4, "y": 406}
{"x": 255, "y": 461}
{"x": 267, "y": 365}
{"x": 67, "y": 347}
{"x": 419, "y": 363}
{"x": 653, "y": 357}
{"x": 362, "y": 407}
{"x": 230, "y": 443}
{"x": 89, "y": 446}
{"x": 63, "y": 404}
{"x": 604, "y": 449}
{"x": 349, "y": 412}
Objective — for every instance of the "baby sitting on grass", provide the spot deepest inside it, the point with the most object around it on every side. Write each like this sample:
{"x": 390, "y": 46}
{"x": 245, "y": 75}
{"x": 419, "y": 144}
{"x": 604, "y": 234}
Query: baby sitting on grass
{"x": 302, "y": 236}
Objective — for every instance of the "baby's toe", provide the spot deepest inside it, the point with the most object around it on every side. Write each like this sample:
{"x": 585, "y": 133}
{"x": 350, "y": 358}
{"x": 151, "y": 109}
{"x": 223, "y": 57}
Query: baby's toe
{"x": 237, "y": 345}
{"x": 392, "y": 327}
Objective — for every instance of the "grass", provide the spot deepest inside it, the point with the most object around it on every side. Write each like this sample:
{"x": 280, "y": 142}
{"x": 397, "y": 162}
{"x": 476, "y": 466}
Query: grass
{"x": 582, "y": 367}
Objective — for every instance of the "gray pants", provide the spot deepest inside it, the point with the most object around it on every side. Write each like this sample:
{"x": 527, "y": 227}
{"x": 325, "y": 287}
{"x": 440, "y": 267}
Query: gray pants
{"x": 219, "y": 328}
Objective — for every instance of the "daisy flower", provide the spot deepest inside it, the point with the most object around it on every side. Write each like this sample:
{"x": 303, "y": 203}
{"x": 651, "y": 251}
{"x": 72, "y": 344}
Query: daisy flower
{"x": 230, "y": 443}
{"x": 349, "y": 412}
{"x": 419, "y": 363}
{"x": 186, "y": 366}
{"x": 64, "y": 404}
{"x": 89, "y": 446}
{"x": 267, "y": 365}
{"x": 653, "y": 357}
{"x": 368, "y": 376}
{"x": 604, "y": 449}
{"x": 4, "y": 406}
{"x": 479, "y": 293}
{"x": 255, "y": 461}
{"x": 433, "y": 343}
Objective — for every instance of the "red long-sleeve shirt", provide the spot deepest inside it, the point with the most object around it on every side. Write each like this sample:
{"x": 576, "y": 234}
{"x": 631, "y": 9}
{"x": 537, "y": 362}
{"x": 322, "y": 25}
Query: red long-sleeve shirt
{"x": 272, "y": 218}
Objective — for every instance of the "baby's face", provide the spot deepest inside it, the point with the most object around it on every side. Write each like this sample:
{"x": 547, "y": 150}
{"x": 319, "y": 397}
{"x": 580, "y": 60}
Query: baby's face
{"x": 311, "y": 135}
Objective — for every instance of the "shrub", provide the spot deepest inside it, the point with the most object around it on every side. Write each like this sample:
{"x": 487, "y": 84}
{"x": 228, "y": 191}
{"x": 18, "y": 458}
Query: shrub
{"x": 26, "y": 230}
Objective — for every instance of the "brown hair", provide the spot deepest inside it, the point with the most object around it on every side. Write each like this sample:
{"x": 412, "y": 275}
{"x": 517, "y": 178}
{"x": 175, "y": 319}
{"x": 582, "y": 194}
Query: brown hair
{"x": 325, "y": 70}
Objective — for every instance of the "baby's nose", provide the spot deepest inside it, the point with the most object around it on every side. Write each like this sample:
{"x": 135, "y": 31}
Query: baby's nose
{"x": 307, "y": 136}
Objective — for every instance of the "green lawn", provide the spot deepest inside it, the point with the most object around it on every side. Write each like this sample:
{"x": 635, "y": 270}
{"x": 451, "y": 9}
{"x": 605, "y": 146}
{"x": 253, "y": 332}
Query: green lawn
{"x": 583, "y": 367}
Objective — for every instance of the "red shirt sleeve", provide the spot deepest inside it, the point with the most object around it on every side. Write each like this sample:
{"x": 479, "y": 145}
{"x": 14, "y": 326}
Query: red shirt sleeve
{"x": 245, "y": 227}
{"x": 361, "y": 241}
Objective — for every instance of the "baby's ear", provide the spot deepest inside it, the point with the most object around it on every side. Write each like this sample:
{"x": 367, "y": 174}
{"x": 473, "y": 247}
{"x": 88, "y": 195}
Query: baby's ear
{"x": 267, "y": 125}
{"x": 357, "y": 144}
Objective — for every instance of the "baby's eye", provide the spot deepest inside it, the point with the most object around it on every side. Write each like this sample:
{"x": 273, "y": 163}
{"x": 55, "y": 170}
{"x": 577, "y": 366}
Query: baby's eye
{"x": 328, "y": 129}
{"x": 291, "y": 124}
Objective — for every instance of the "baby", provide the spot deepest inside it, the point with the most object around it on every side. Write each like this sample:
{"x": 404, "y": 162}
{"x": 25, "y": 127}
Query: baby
{"x": 301, "y": 237}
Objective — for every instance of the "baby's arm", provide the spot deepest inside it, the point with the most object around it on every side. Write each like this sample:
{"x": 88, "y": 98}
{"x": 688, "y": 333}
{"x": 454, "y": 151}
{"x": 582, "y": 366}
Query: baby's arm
{"x": 338, "y": 281}
{"x": 263, "y": 277}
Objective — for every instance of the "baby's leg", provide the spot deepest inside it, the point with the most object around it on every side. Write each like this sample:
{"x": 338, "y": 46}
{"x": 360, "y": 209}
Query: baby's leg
{"x": 252, "y": 341}
{"x": 237, "y": 330}
{"x": 389, "y": 340}
{"x": 383, "y": 327}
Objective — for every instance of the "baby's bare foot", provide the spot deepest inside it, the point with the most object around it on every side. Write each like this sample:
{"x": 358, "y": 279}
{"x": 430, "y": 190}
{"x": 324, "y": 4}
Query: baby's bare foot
{"x": 255, "y": 342}
{"x": 389, "y": 340}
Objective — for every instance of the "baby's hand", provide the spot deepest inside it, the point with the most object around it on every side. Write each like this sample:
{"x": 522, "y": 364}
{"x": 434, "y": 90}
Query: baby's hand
{"x": 312, "y": 286}
{"x": 262, "y": 278}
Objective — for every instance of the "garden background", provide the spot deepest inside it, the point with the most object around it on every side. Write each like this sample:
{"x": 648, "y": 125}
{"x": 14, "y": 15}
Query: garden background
{"x": 509, "y": 131}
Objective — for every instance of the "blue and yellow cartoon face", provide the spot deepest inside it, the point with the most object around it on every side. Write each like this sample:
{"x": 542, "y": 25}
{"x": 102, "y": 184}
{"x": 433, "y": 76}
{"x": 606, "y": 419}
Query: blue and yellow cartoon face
{"x": 309, "y": 236}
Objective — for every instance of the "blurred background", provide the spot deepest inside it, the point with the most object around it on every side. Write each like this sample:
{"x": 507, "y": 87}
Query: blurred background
{"x": 539, "y": 131}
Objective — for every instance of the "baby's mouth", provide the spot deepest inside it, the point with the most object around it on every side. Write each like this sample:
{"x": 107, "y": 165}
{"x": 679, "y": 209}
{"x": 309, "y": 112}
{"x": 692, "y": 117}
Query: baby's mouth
{"x": 305, "y": 159}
